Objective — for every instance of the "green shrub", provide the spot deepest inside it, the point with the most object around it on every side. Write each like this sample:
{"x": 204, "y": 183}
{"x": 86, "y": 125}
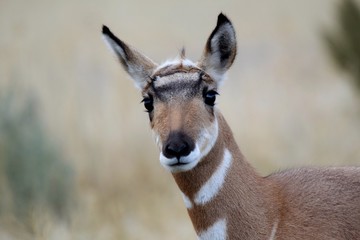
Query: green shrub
{"x": 344, "y": 43}
{"x": 32, "y": 168}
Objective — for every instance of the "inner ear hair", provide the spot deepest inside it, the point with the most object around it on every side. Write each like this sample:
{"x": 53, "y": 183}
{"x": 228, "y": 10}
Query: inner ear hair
{"x": 222, "y": 42}
{"x": 136, "y": 64}
{"x": 220, "y": 49}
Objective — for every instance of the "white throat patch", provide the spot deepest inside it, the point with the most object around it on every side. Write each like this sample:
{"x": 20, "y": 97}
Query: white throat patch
{"x": 212, "y": 187}
{"x": 218, "y": 231}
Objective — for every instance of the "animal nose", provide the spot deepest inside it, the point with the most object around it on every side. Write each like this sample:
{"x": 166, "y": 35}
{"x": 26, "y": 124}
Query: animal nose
{"x": 178, "y": 145}
{"x": 176, "y": 149}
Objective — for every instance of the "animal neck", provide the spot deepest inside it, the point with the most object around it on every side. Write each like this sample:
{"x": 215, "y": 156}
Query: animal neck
{"x": 224, "y": 196}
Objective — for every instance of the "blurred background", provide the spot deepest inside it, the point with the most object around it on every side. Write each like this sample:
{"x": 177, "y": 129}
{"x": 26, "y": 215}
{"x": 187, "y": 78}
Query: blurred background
{"x": 77, "y": 158}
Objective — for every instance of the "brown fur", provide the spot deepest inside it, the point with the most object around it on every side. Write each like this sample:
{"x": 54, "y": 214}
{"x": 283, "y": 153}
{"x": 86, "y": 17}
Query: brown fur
{"x": 244, "y": 200}
{"x": 309, "y": 203}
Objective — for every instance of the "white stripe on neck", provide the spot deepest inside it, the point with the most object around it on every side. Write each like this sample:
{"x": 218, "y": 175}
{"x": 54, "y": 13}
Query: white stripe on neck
{"x": 187, "y": 201}
{"x": 211, "y": 188}
{"x": 273, "y": 231}
{"x": 217, "y": 231}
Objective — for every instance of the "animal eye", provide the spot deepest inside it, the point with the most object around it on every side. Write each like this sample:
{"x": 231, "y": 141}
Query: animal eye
{"x": 148, "y": 103}
{"x": 210, "y": 97}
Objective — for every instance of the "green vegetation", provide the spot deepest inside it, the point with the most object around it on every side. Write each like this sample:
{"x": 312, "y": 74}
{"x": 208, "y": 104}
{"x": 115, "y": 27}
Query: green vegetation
{"x": 344, "y": 43}
{"x": 32, "y": 173}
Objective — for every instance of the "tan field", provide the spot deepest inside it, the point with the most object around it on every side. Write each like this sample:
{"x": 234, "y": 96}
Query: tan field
{"x": 287, "y": 103}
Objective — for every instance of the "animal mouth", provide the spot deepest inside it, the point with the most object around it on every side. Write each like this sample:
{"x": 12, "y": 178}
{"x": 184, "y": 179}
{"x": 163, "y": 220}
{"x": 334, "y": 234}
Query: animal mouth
{"x": 178, "y": 163}
{"x": 181, "y": 163}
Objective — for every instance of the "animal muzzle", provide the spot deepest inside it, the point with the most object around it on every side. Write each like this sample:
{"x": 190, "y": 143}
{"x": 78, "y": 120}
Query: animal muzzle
{"x": 178, "y": 145}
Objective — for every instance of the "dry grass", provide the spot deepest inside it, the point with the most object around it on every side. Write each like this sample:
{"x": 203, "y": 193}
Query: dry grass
{"x": 286, "y": 103}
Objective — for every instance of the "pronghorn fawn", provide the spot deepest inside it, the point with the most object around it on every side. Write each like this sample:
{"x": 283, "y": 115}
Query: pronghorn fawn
{"x": 223, "y": 194}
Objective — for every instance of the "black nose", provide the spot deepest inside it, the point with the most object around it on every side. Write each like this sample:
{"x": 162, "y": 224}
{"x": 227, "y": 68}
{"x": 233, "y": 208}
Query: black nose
{"x": 178, "y": 145}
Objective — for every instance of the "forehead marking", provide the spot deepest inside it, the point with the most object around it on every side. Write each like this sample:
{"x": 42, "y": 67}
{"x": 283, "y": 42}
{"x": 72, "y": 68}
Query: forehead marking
{"x": 176, "y": 75}
{"x": 177, "y": 86}
{"x": 180, "y": 77}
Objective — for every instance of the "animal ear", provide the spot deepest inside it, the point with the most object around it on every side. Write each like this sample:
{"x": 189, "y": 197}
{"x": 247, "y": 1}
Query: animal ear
{"x": 137, "y": 65}
{"x": 220, "y": 49}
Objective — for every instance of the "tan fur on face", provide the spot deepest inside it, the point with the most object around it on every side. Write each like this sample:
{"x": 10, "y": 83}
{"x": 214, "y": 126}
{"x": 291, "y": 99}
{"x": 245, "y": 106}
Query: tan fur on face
{"x": 190, "y": 117}
{"x": 176, "y": 111}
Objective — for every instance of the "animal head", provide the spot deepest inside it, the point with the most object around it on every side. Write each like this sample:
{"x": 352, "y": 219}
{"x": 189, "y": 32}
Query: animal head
{"x": 180, "y": 95}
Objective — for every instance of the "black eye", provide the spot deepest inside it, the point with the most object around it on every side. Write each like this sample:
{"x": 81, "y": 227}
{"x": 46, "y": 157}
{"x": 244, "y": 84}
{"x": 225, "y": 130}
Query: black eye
{"x": 210, "y": 97}
{"x": 148, "y": 103}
